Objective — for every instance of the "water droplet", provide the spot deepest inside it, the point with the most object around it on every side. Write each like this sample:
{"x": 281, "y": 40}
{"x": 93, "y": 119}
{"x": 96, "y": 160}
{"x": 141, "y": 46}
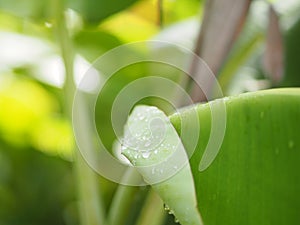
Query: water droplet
{"x": 161, "y": 171}
{"x": 226, "y": 99}
{"x": 146, "y": 155}
{"x": 124, "y": 148}
{"x": 166, "y": 207}
{"x": 153, "y": 171}
{"x": 148, "y": 143}
{"x": 291, "y": 144}
{"x": 136, "y": 156}
{"x": 176, "y": 220}
{"x": 155, "y": 151}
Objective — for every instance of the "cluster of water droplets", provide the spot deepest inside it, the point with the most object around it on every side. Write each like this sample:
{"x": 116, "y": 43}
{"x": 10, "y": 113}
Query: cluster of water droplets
{"x": 145, "y": 134}
{"x": 170, "y": 211}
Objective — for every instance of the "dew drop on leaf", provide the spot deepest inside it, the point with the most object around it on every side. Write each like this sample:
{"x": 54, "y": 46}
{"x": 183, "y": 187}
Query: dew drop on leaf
{"x": 146, "y": 155}
{"x": 166, "y": 207}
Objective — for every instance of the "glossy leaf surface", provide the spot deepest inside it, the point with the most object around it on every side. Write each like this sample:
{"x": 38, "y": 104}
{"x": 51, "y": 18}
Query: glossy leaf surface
{"x": 255, "y": 178}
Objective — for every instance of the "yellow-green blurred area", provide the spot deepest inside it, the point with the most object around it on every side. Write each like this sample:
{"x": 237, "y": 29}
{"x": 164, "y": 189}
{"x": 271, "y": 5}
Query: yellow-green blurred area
{"x": 37, "y": 185}
{"x": 30, "y": 116}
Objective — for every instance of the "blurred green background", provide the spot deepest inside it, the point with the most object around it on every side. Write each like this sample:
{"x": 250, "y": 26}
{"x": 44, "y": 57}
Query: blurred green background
{"x": 37, "y": 180}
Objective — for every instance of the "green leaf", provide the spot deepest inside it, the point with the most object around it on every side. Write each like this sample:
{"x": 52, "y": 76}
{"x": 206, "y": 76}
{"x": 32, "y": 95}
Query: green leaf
{"x": 93, "y": 11}
{"x": 153, "y": 146}
{"x": 255, "y": 177}
{"x": 33, "y": 9}
{"x": 92, "y": 44}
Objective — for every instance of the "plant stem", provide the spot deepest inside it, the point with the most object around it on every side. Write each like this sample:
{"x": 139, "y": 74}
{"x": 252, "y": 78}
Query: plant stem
{"x": 160, "y": 13}
{"x": 153, "y": 212}
{"x": 91, "y": 210}
{"x": 122, "y": 200}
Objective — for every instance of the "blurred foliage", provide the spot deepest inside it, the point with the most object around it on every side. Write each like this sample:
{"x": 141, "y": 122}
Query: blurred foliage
{"x": 37, "y": 184}
{"x": 87, "y": 43}
{"x": 292, "y": 58}
{"x": 32, "y": 9}
{"x": 35, "y": 188}
{"x": 29, "y": 116}
{"x": 94, "y": 11}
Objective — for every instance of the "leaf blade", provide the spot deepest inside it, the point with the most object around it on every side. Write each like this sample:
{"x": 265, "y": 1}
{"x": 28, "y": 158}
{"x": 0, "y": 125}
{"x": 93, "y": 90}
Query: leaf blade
{"x": 254, "y": 179}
